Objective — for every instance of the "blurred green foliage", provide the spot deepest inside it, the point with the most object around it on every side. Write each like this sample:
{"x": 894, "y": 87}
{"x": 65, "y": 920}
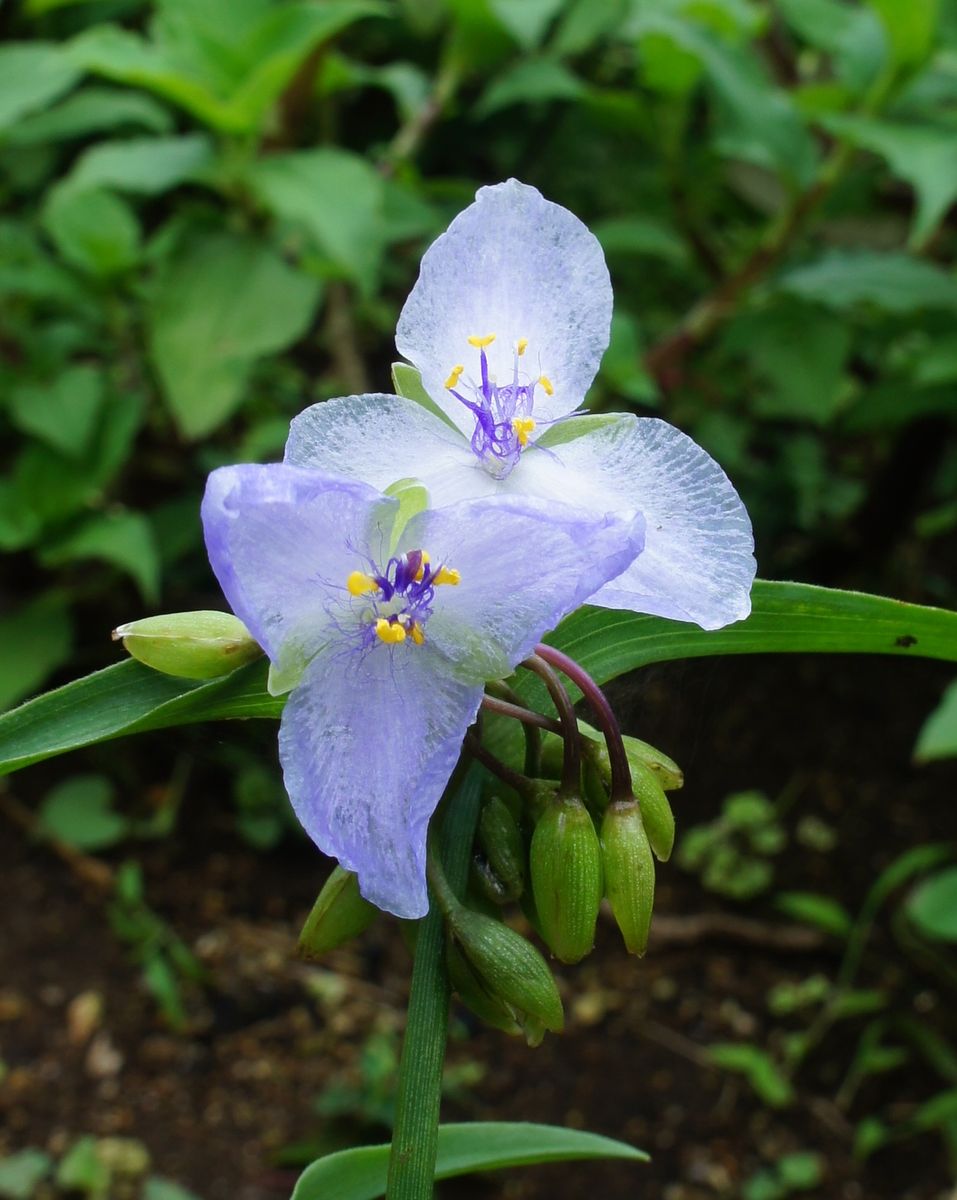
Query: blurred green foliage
{"x": 213, "y": 210}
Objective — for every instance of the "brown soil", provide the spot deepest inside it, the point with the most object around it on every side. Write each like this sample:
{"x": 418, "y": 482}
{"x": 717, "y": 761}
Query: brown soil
{"x": 218, "y": 1105}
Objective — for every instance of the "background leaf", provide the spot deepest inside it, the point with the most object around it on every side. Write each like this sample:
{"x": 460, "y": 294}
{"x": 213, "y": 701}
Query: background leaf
{"x": 222, "y": 302}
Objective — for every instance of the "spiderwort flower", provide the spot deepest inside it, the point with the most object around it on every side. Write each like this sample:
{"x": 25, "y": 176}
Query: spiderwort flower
{"x": 387, "y": 634}
{"x": 507, "y": 324}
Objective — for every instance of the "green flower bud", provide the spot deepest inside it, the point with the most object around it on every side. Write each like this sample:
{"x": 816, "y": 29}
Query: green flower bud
{"x": 509, "y": 968}
{"x": 339, "y": 914}
{"x": 566, "y": 873}
{"x": 629, "y": 872}
{"x": 469, "y": 989}
{"x": 669, "y": 775}
{"x": 540, "y": 795}
{"x": 486, "y": 891}
{"x": 596, "y": 775}
{"x": 501, "y": 842}
{"x": 192, "y": 645}
{"x": 656, "y": 814}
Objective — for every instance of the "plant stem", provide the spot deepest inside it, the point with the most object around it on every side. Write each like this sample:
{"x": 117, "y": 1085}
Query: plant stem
{"x": 528, "y": 716}
{"x": 488, "y": 760}
{"x": 419, "y": 1096}
{"x": 620, "y": 772}
{"x": 571, "y": 754}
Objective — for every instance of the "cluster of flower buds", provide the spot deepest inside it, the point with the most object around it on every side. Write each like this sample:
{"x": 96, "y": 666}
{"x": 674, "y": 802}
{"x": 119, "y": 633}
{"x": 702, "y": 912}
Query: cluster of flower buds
{"x": 584, "y": 821}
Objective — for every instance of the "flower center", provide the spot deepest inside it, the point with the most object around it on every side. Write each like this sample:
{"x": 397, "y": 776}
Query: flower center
{"x": 503, "y": 413}
{"x": 399, "y": 598}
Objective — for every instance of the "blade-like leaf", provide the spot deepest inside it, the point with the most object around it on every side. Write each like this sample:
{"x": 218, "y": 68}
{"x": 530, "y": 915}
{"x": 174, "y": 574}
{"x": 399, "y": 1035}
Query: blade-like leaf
{"x": 360, "y": 1174}
{"x": 786, "y": 617}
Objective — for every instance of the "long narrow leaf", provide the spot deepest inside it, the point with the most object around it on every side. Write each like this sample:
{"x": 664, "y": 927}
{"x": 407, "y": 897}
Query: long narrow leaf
{"x": 360, "y": 1174}
{"x": 787, "y": 617}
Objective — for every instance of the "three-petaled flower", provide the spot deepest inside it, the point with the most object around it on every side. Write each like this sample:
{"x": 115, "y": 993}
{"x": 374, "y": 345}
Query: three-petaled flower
{"x": 386, "y": 630}
{"x": 507, "y": 325}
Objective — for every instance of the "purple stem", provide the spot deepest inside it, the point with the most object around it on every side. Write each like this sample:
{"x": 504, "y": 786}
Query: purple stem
{"x": 571, "y": 752}
{"x": 620, "y": 773}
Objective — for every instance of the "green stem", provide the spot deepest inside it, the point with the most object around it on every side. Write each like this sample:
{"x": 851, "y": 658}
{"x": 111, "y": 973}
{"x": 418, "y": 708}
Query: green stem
{"x": 416, "y": 1131}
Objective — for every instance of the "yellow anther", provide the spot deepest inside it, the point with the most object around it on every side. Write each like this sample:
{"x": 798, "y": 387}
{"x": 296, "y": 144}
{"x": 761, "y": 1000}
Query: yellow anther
{"x": 447, "y": 575}
{"x": 390, "y": 632}
{"x": 420, "y": 573}
{"x": 454, "y": 376}
{"x": 523, "y": 426}
{"x": 481, "y": 342}
{"x": 522, "y": 346}
{"x": 359, "y": 584}
{"x": 417, "y": 635}
{"x": 547, "y": 385}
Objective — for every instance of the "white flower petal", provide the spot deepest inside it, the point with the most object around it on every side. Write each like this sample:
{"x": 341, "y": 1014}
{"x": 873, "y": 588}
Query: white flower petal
{"x": 519, "y": 266}
{"x": 698, "y": 563}
{"x": 380, "y": 439}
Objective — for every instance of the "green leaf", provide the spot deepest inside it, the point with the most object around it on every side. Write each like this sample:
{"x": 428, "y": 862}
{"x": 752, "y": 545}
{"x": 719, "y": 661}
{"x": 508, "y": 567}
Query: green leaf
{"x": 408, "y": 383}
{"x": 20, "y": 1173}
{"x": 800, "y": 352}
{"x": 124, "y": 699}
{"x": 763, "y": 124}
{"x": 910, "y": 26}
{"x": 80, "y": 812}
{"x": 823, "y": 912}
{"x": 123, "y": 538}
{"x": 938, "y": 734}
{"x": 32, "y": 74}
{"x": 853, "y": 36}
{"x": 221, "y": 303}
{"x": 34, "y": 641}
{"x": 360, "y": 1174}
{"x": 933, "y": 906}
{"x": 91, "y": 110}
{"x": 225, "y": 64}
{"x": 527, "y": 20}
{"x": 128, "y": 698}
{"x": 157, "y": 1188}
{"x": 93, "y": 230}
{"x": 530, "y": 81}
{"x": 895, "y": 283}
{"x": 802, "y": 1169}
{"x": 336, "y": 197}
{"x": 921, "y": 155}
{"x": 62, "y": 412}
{"x": 760, "y": 1070}
{"x": 147, "y": 166}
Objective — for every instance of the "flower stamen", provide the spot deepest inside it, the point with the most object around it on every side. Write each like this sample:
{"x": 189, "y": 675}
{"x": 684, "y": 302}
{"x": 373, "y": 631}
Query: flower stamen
{"x": 390, "y": 632}
{"x": 360, "y": 584}
{"x": 547, "y": 385}
{"x": 521, "y": 347}
{"x": 523, "y": 426}
{"x": 480, "y": 342}
{"x": 399, "y": 598}
{"x": 454, "y": 376}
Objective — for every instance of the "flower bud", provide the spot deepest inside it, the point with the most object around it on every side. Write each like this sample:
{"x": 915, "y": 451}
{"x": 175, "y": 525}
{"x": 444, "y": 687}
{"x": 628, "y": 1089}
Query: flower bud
{"x": 192, "y": 645}
{"x": 639, "y": 754}
{"x": 509, "y": 968}
{"x": 669, "y": 775}
{"x": 629, "y": 872}
{"x": 339, "y": 914}
{"x": 468, "y": 987}
{"x": 501, "y": 842}
{"x": 656, "y": 814}
{"x": 566, "y": 873}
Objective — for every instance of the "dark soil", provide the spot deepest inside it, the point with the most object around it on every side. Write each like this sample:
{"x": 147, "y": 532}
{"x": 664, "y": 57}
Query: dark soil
{"x": 219, "y": 1105}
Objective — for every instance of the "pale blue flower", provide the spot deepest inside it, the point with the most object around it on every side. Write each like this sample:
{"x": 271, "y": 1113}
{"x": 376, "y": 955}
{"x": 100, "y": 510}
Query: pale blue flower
{"x": 387, "y": 634}
{"x": 507, "y": 325}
